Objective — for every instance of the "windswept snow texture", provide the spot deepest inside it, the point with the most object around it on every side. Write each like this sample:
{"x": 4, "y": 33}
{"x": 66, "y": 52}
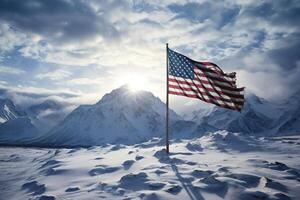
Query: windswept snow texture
{"x": 216, "y": 166}
{"x": 120, "y": 117}
{"x": 15, "y": 125}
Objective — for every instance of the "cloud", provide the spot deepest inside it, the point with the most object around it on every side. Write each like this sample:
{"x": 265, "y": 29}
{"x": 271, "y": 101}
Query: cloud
{"x": 38, "y": 92}
{"x": 58, "y": 74}
{"x": 86, "y": 81}
{"x": 258, "y": 39}
{"x": 11, "y": 70}
{"x": 2, "y": 85}
{"x": 287, "y": 57}
{"x": 59, "y": 20}
{"x": 218, "y": 12}
{"x": 9, "y": 39}
{"x": 284, "y": 13}
{"x": 58, "y": 31}
{"x": 28, "y": 96}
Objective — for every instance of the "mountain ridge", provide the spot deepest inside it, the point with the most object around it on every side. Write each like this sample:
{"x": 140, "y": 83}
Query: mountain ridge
{"x": 121, "y": 115}
{"x": 258, "y": 117}
{"x": 127, "y": 117}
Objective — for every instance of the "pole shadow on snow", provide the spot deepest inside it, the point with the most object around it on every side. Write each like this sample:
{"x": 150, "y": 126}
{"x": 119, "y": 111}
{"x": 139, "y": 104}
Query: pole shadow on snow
{"x": 207, "y": 181}
{"x": 187, "y": 185}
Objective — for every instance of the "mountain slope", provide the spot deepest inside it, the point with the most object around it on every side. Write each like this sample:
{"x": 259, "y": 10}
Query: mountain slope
{"x": 258, "y": 116}
{"x": 9, "y": 111}
{"x": 17, "y": 131}
{"x": 119, "y": 117}
{"x": 289, "y": 122}
{"x": 15, "y": 125}
{"x": 48, "y": 114}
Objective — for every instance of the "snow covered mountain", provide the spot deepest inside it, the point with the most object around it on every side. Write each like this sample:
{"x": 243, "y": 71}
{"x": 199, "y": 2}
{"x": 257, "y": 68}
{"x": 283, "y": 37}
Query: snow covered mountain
{"x": 121, "y": 116}
{"x": 289, "y": 121}
{"x": 259, "y": 116}
{"x": 9, "y": 111}
{"x": 48, "y": 114}
{"x": 126, "y": 117}
{"x": 45, "y": 105}
{"x": 15, "y": 125}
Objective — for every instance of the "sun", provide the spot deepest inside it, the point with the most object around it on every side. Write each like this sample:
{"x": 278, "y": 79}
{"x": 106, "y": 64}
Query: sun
{"x": 136, "y": 83}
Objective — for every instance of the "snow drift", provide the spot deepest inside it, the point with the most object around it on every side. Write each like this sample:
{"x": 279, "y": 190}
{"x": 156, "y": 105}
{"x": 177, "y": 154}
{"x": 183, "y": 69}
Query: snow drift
{"x": 214, "y": 167}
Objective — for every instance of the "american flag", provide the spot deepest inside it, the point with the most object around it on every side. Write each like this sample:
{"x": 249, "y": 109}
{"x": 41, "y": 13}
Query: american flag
{"x": 204, "y": 81}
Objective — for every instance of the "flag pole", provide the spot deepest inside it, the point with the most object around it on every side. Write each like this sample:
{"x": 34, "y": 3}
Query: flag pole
{"x": 167, "y": 100}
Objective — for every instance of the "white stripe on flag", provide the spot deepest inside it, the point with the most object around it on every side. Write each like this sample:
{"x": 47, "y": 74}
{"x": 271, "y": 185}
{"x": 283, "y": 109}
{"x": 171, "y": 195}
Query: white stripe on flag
{"x": 206, "y": 85}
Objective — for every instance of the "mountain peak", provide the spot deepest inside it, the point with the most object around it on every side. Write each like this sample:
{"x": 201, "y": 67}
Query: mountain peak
{"x": 254, "y": 99}
{"x": 121, "y": 116}
{"x": 124, "y": 95}
{"x": 7, "y": 102}
{"x": 9, "y": 111}
{"x": 47, "y": 104}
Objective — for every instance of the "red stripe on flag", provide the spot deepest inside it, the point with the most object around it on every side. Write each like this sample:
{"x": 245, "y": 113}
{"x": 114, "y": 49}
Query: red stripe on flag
{"x": 233, "y": 100}
{"x": 205, "y": 81}
{"x": 198, "y": 97}
{"x": 199, "y": 85}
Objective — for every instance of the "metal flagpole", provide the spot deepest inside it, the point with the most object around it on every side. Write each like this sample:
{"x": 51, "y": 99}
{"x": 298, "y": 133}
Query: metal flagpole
{"x": 167, "y": 102}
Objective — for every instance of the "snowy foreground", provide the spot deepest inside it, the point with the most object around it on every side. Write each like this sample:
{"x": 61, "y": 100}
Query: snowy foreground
{"x": 216, "y": 166}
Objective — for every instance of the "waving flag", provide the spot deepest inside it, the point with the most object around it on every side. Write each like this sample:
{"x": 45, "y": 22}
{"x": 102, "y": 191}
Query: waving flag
{"x": 204, "y": 81}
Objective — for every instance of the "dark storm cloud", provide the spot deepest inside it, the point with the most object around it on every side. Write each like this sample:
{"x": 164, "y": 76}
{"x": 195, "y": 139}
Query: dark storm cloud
{"x": 287, "y": 57}
{"x": 259, "y": 38}
{"x": 283, "y": 12}
{"x": 56, "y": 19}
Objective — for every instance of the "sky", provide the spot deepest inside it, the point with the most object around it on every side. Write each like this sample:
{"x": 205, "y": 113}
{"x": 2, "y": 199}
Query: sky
{"x": 79, "y": 50}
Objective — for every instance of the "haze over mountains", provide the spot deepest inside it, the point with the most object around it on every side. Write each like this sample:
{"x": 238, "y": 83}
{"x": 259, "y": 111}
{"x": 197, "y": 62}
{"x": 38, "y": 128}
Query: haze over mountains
{"x": 47, "y": 114}
{"x": 127, "y": 117}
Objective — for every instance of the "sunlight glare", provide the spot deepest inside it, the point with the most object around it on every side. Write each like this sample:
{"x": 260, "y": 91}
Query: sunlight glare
{"x": 136, "y": 83}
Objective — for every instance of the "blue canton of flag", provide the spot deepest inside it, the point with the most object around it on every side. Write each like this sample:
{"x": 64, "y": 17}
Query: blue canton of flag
{"x": 180, "y": 65}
